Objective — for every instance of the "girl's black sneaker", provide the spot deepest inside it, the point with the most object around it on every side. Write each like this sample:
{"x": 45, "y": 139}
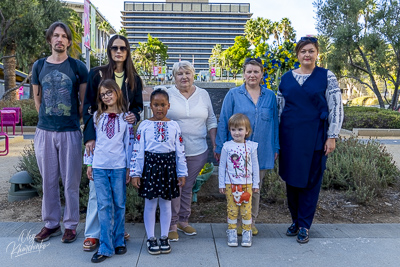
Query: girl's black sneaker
{"x": 165, "y": 246}
{"x": 152, "y": 246}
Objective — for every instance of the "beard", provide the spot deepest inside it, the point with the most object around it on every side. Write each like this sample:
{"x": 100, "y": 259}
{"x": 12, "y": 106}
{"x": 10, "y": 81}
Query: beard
{"x": 59, "y": 49}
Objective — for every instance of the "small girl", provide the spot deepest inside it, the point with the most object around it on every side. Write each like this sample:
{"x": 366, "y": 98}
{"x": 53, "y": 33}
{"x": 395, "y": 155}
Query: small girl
{"x": 158, "y": 168}
{"x": 107, "y": 167}
{"x": 238, "y": 175}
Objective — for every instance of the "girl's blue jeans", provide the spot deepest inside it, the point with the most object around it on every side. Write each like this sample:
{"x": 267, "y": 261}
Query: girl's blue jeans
{"x": 111, "y": 191}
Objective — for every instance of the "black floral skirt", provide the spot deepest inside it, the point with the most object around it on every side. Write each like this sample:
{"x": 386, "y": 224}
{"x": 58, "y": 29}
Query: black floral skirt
{"x": 159, "y": 176}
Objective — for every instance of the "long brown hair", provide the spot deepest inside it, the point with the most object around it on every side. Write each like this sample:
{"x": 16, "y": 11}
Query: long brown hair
{"x": 109, "y": 84}
{"x": 129, "y": 68}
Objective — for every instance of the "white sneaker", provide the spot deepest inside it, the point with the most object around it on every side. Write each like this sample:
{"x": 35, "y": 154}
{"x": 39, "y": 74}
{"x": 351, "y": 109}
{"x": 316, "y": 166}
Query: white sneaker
{"x": 247, "y": 237}
{"x": 232, "y": 237}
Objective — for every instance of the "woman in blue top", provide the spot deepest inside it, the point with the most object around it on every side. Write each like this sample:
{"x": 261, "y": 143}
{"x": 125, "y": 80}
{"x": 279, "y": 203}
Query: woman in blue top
{"x": 259, "y": 105}
{"x": 311, "y": 115}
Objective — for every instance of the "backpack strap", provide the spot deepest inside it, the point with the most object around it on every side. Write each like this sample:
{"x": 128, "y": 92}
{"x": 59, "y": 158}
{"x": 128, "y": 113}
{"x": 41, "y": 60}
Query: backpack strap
{"x": 39, "y": 66}
{"x": 75, "y": 70}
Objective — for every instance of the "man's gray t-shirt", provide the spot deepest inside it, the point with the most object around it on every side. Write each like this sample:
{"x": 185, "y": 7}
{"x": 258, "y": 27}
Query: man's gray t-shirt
{"x": 59, "y": 109}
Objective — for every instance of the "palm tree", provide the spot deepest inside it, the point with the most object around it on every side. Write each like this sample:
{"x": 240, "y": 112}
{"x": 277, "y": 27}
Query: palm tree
{"x": 287, "y": 29}
{"x": 75, "y": 24}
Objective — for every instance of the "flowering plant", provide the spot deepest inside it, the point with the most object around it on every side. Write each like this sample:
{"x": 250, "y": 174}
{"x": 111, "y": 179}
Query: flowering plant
{"x": 277, "y": 61}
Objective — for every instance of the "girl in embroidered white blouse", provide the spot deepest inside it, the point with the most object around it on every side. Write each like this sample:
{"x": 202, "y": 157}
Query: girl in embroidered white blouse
{"x": 158, "y": 168}
{"x": 107, "y": 167}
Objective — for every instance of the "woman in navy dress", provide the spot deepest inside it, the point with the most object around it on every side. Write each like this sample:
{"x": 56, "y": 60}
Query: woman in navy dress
{"x": 311, "y": 115}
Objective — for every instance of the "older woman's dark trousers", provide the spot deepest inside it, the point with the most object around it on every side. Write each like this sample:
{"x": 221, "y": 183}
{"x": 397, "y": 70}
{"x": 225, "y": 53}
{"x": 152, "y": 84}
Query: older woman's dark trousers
{"x": 302, "y": 202}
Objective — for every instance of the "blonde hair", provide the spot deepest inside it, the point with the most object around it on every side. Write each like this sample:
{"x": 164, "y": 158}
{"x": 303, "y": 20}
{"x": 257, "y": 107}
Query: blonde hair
{"x": 239, "y": 119}
{"x": 109, "y": 84}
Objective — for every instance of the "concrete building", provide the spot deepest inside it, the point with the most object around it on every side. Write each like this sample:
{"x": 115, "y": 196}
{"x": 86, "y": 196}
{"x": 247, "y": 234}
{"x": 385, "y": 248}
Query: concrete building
{"x": 189, "y": 28}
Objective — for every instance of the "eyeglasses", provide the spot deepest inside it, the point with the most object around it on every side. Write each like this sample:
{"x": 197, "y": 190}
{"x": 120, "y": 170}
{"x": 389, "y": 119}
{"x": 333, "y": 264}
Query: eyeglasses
{"x": 108, "y": 93}
{"x": 308, "y": 38}
{"x": 251, "y": 59}
{"x": 115, "y": 48}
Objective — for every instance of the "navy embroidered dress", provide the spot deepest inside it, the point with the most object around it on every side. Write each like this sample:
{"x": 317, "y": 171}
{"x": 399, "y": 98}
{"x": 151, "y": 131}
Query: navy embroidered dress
{"x": 303, "y": 128}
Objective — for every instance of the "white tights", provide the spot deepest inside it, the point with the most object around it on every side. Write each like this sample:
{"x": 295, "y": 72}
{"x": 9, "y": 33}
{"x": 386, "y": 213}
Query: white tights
{"x": 150, "y": 207}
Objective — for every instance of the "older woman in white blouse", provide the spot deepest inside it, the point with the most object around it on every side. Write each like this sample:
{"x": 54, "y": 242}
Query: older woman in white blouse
{"x": 191, "y": 108}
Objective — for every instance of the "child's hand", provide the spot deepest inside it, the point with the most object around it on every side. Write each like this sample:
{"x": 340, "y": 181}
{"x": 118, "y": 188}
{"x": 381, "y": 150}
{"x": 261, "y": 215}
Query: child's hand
{"x": 182, "y": 181}
{"x": 89, "y": 172}
{"x": 222, "y": 190}
{"x": 135, "y": 181}
{"x": 217, "y": 156}
{"x": 128, "y": 178}
{"x": 256, "y": 190}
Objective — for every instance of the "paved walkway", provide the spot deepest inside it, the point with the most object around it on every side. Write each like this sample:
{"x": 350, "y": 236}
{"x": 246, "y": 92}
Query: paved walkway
{"x": 330, "y": 245}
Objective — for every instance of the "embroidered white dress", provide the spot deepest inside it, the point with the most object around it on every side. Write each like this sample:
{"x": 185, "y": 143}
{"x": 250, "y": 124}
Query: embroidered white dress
{"x": 113, "y": 143}
{"x": 158, "y": 157}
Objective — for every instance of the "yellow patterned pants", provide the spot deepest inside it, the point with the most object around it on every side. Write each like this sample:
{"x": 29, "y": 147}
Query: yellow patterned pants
{"x": 233, "y": 209}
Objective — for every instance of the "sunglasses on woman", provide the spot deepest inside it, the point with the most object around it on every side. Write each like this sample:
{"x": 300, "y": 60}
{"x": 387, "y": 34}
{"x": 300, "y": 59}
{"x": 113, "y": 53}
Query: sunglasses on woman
{"x": 250, "y": 59}
{"x": 116, "y": 48}
{"x": 311, "y": 39}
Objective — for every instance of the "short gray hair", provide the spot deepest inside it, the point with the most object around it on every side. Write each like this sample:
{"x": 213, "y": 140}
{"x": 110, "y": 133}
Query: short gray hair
{"x": 184, "y": 64}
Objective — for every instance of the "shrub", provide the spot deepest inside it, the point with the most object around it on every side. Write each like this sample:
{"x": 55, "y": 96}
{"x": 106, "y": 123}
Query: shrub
{"x": 366, "y": 101}
{"x": 359, "y": 101}
{"x": 29, "y": 114}
{"x": 273, "y": 188}
{"x": 369, "y": 117}
{"x": 134, "y": 203}
{"x": 363, "y": 169}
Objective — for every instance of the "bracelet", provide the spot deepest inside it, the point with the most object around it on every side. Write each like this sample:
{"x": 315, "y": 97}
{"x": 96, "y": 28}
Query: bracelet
{"x": 89, "y": 165}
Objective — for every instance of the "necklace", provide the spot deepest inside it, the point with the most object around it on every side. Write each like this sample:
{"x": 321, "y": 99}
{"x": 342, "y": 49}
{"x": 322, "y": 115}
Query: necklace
{"x": 119, "y": 77}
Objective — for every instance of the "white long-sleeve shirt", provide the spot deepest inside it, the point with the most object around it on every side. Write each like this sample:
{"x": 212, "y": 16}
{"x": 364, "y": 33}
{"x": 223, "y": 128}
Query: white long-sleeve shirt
{"x": 237, "y": 160}
{"x": 158, "y": 137}
{"x": 113, "y": 146}
{"x": 333, "y": 98}
{"x": 195, "y": 117}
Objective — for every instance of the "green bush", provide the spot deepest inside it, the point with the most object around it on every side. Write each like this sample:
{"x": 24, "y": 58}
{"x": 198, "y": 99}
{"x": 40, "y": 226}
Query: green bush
{"x": 369, "y": 117}
{"x": 366, "y": 101}
{"x": 29, "y": 114}
{"x": 134, "y": 203}
{"x": 361, "y": 169}
{"x": 273, "y": 188}
{"x": 359, "y": 101}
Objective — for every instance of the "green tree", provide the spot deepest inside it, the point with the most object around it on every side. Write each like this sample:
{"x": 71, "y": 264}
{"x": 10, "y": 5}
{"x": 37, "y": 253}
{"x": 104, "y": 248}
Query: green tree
{"x": 22, "y": 27}
{"x": 123, "y": 32}
{"x": 215, "y": 58}
{"x": 235, "y": 55}
{"x": 75, "y": 24}
{"x": 149, "y": 54}
{"x": 365, "y": 36}
{"x": 258, "y": 30}
{"x": 386, "y": 23}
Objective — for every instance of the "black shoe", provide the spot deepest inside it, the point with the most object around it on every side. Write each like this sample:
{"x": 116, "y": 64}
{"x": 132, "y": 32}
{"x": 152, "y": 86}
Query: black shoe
{"x": 96, "y": 258}
{"x": 152, "y": 246}
{"x": 165, "y": 246}
{"x": 302, "y": 236}
{"x": 292, "y": 230}
{"x": 120, "y": 250}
